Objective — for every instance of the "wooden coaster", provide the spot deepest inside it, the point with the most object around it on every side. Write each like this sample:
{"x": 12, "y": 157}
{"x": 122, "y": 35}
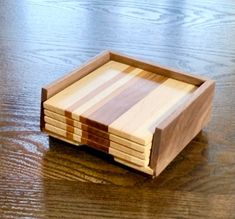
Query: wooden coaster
{"x": 121, "y": 99}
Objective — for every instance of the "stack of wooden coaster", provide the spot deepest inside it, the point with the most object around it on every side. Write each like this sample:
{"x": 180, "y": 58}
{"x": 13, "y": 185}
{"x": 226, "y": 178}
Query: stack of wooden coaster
{"x": 115, "y": 109}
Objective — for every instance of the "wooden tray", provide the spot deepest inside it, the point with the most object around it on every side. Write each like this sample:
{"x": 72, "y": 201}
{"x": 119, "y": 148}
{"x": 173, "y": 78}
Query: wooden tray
{"x": 122, "y": 105}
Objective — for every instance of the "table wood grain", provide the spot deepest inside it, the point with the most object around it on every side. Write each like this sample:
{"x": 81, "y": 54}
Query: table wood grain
{"x": 46, "y": 178}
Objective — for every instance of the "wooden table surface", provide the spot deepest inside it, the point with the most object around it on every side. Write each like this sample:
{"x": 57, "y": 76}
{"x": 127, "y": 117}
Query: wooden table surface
{"x": 45, "y": 178}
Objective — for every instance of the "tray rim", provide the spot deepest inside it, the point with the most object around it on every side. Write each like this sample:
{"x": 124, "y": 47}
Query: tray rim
{"x": 202, "y": 83}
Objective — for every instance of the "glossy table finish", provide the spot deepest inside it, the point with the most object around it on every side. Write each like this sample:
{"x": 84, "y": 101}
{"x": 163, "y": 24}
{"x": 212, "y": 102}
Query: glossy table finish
{"x": 45, "y": 178}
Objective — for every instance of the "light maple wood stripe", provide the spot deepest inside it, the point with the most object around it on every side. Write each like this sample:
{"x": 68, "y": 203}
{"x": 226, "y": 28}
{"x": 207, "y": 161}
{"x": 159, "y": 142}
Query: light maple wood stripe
{"x": 134, "y": 124}
{"x": 130, "y": 151}
{"x": 130, "y": 144}
{"x": 129, "y": 158}
{"x": 149, "y": 127}
{"x": 61, "y": 121}
{"x": 100, "y": 140}
{"x": 121, "y": 103}
{"x": 67, "y": 97}
{"x": 90, "y": 143}
{"x": 62, "y": 118}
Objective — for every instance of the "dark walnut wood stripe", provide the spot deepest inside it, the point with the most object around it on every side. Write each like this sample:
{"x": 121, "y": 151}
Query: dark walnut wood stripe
{"x": 84, "y": 117}
{"x": 94, "y": 131}
{"x": 90, "y": 137}
{"x": 95, "y": 145}
{"x": 121, "y": 103}
{"x": 96, "y": 138}
{"x": 69, "y": 127}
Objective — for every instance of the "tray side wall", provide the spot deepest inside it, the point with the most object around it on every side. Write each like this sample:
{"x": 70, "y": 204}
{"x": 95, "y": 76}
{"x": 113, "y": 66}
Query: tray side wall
{"x": 177, "y": 131}
{"x": 60, "y": 84}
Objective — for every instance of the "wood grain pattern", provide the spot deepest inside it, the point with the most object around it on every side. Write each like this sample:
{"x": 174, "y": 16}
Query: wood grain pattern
{"x": 41, "y": 41}
{"x": 190, "y": 122}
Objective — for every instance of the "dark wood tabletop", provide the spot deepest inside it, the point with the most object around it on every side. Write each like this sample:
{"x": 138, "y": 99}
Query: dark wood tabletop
{"x": 46, "y": 178}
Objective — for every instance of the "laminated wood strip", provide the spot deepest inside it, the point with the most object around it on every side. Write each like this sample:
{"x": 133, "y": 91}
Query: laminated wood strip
{"x": 136, "y": 81}
{"x": 82, "y": 87}
{"x": 129, "y": 151}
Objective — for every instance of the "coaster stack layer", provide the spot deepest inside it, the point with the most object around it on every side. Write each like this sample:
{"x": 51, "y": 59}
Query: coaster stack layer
{"x": 115, "y": 109}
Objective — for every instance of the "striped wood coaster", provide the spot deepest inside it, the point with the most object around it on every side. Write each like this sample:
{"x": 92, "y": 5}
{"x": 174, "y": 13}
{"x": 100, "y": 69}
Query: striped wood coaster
{"x": 121, "y": 100}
